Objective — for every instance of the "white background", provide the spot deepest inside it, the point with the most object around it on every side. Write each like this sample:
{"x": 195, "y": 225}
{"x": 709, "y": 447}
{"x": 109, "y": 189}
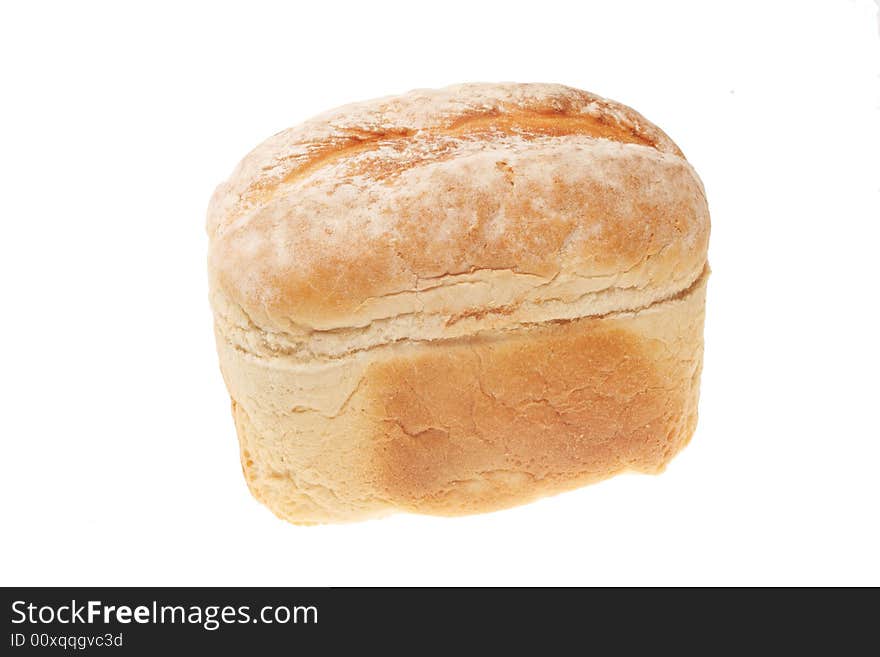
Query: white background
{"x": 119, "y": 456}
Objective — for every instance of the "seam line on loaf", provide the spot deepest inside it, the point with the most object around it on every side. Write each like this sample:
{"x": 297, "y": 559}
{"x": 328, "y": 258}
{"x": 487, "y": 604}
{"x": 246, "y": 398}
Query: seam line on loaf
{"x": 301, "y": 354}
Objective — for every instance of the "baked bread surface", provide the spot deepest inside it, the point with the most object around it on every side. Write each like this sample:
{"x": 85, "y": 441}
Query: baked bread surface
{"x": 458, "y": 300}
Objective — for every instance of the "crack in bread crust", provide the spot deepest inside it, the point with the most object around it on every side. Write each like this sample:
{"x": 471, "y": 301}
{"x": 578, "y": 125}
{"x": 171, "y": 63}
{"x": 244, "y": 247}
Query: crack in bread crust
{"x": 473, "y": 127}
{"x": 317, "y": 345}
{"x": 462, "y": 111}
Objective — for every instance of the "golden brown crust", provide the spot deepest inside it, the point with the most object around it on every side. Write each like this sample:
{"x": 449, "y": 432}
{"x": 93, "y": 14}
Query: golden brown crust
{"x": 485, "y": 423}
{"x": 373, "y": 200}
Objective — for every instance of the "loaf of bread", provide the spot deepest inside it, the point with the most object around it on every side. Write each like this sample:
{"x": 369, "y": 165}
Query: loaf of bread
{"x": 458, "y": 300}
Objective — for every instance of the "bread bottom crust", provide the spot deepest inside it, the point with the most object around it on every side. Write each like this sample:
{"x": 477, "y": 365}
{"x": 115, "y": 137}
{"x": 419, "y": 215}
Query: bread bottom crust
{"x": 472, "y": 424}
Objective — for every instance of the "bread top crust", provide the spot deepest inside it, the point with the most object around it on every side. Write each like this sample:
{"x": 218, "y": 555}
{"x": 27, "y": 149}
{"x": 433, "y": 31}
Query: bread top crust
{"x": 507, "y": 199}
